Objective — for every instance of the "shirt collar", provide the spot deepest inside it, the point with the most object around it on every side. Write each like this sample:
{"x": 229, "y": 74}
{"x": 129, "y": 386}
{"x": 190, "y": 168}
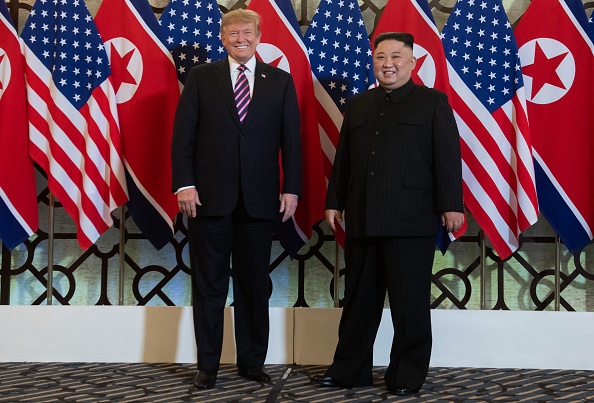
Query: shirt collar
{"x": 251, "y": 64}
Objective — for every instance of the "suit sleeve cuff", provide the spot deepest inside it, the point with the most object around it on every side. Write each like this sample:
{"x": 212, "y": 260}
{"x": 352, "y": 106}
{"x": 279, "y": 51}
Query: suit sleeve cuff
{"x": 184, "y": 188}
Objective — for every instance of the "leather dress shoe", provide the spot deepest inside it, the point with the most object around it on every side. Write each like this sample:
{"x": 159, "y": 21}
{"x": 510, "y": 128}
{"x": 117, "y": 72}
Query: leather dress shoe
{"x": 402, "y": 391}
{"x": 327, "y": 381}
{"x": 205, "y": 379}
{"x": 255, "y": 374}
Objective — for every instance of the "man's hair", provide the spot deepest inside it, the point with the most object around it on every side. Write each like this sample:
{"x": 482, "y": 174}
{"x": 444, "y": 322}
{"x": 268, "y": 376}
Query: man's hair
{"x": 403, "y": 37}
{"x": 241, "y": 16}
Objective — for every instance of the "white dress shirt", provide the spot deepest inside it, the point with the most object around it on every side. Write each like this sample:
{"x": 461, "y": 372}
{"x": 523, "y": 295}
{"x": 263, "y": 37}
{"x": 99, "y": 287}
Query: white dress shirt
{"x": 249, "y": 72}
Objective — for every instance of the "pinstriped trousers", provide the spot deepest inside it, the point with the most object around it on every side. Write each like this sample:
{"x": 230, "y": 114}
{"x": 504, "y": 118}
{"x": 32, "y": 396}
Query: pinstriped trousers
{"x": 402, "y": 266}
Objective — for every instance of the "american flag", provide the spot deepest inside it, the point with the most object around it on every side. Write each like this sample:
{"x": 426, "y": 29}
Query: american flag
{"x": 414, "y": 16}
{"x": 490, "y": 107}
{"x": 340, "y": 57}
{"x": 18, "y": 197}
{"x": 557, "y": 55}
{"x": 192, "y": 34}
{"x": 73, "y": 124}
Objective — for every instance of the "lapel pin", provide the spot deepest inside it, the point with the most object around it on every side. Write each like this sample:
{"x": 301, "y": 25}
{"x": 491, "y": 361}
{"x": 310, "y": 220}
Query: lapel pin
{"x": 263, "y": 75}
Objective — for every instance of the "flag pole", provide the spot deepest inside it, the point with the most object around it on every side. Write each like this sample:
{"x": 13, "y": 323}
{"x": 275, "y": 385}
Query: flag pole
{"x": 14, "y": 12}
{"x": 122, "y": 250}
{"x": 336, "y": 273}
{"x": 557, "y": 272}
{"x": 50, "y": 249}
{"x": 483, "y": 279}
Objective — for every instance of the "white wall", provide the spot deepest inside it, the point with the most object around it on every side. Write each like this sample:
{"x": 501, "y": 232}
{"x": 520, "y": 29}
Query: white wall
{"x": 491, "y": 339}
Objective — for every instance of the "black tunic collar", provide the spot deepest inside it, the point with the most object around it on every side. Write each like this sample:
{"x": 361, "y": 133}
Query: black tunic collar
{"x": 395, "y": 95}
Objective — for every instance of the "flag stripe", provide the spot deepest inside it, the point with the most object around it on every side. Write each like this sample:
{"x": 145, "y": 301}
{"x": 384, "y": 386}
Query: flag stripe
{"x": 489, "y": 104}
{"x": 59, "y": 181}
{"x": 76, "y": 148}
{"x": 481, "y": 152}
{"x": 141, "y": 19}
{"x": 560, "y": 210}
{"x": 554, "y": 40}
{"x": 340, "y": 56}
{"x": 484, "y": 172}
{"x": 14, "y": 228}
{"x": 69, "y": 163}
{"x": 73, "y": 131}
{"x": 579, "y": 24}
{"x": 102, "y": 112}
{"x": 482, "y": 208}
{"x": 56, "y": 160}
{"x": 278, "y": 30}
{"x": 145, "y": 69}
{"x": 18, "y": 196}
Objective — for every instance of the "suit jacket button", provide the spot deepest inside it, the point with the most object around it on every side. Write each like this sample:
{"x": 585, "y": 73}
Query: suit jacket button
{"x": 372, "y": 173}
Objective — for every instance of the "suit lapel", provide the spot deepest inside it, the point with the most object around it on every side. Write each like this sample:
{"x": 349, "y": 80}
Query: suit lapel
{"x": 226, "y": 87}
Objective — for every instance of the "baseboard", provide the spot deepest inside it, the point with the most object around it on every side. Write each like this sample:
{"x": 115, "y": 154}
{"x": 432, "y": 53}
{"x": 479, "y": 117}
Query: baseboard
{"x": 305, "y": 336}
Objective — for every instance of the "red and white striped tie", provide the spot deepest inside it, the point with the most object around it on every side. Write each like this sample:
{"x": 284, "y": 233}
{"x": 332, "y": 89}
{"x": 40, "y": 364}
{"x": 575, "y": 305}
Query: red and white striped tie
{"x": 242, "y": 93}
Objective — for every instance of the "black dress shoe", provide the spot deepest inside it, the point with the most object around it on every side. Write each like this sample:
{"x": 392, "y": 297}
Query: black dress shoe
{"x": 402, "y": 391}
{"x": 205, "y": 379}
{"x": 255, "y": 374}
{"x": 328, "y": 382}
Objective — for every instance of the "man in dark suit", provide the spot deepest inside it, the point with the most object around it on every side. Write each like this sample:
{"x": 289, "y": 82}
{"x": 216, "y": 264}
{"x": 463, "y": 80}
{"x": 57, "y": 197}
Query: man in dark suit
{"x": 397, "y": 176}
{"x": 233, "y": 118}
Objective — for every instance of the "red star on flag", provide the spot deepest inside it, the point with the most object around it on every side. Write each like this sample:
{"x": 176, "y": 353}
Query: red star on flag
{"x": 120, "y": 64}
{"x": 544, "y": 70}
{"x": 415, "y": 74}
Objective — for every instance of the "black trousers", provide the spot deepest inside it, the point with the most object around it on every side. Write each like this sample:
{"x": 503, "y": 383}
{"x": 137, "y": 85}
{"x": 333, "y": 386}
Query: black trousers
{"x": 214, "y": 241}
{"x": 402, "y": 267}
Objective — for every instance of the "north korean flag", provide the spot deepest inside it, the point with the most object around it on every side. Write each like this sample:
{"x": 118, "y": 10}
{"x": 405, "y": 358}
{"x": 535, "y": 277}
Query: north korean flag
{"x": 18, "y": 197}
{"x": 147, "y": 92}
{"x": 281, "y": 46}
{"x": 556, "y": 52}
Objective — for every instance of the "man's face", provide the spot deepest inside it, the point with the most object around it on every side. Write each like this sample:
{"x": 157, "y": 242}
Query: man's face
{"x": 393, "y": 63}
{"x": 241, "y": 41}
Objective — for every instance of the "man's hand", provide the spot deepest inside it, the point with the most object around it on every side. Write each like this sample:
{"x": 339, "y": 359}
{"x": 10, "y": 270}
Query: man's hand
{"x": 331, "y": 216}
{"x": 187, "y": 200}
{"x": 452, "y": 220}
{"x": 288, "y": 205}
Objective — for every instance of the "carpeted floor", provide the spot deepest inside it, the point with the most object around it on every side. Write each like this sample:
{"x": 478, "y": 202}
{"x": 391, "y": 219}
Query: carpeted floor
{"x": 100, "y": 382}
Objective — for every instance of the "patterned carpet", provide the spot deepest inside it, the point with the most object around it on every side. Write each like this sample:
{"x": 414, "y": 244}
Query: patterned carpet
{"x": 97, "y": 382}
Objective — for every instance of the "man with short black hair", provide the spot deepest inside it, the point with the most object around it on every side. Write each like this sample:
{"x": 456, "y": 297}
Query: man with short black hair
{"x": 397, "y": 176}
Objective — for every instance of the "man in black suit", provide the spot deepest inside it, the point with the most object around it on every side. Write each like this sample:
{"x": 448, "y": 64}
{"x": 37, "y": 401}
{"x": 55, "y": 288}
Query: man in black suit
{"x": 226, "y": 174}
{"x": 397, "y": 176}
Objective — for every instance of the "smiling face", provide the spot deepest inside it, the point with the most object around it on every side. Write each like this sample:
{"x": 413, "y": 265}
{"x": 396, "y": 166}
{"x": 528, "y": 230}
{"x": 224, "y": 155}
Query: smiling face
{"x": 393, "y": 63}
{"x": 241, "y": 40}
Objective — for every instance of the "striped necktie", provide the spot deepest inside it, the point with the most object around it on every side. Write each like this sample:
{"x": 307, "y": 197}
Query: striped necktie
{"x": 242, "y": 93}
